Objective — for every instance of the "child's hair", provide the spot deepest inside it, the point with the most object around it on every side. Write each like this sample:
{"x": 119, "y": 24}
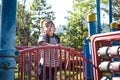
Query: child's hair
{"x": 45, "y": 22}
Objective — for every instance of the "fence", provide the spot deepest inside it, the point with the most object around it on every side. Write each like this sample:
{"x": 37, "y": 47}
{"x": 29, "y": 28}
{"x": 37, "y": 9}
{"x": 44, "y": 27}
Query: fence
{"x": 71, "y": 63}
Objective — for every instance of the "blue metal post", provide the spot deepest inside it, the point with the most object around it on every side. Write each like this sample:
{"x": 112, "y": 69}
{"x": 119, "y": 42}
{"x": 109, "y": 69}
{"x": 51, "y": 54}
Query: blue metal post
{"x": 91, "y": 31}
{"x": 7, "y": 40}
{"x": 110, "y": 11}
{"x": 86, "y": 55}
{"x": 98, "y": 16}
{"x": 91, "y": 24}
{"x": 113, "y": 28}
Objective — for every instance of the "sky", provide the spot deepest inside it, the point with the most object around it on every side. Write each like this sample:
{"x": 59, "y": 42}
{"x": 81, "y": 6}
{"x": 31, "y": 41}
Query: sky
{"x": 60, "y": 7}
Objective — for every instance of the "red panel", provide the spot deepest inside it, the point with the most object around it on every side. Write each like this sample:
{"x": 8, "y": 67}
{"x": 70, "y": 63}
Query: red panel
{"x": 95, "y": 40}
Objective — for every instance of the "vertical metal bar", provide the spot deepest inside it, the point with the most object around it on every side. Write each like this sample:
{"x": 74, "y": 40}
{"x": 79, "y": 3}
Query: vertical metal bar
{"x": 91, "y": 30}
{"x": 35, "y": 69}
{"x": 73, "y": 63}
{"x": 56, "y": 61}
{"x": 69, "y": 65}
{"x": 113, "y": 28}
{"x": 86, "y": 55}
{"x": 30, "y": 71}
{"x": 7, "y": 40}
{"x": 98, "y": 16}
{"x": 37, "y": 65}
{"x": 77, "y": 67}
{"x": 44, "y": 65}
{"x": 50, "y": 68}
{"x": 80, "y": 62}
{"x": 22, "y": 55}
{"x": 60, "y": 64}
{"x": 34, "y": 59}
{"x": 65, "y": 61}
{"x": 110, "y": 11}
{"x": 24, "y": 66}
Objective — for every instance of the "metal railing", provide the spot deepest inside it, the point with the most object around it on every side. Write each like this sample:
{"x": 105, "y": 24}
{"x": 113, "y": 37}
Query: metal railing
{"x": 71, "y": 63}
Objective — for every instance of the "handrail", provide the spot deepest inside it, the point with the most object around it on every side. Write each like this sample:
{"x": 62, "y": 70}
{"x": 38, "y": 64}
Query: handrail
{"x": 71, "y": 63}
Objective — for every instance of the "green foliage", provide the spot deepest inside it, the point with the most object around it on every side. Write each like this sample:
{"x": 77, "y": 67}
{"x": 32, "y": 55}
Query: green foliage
{"x": 77, "y": 23}
{"x": 116, "y": 10}
{"x": 28, "y": 20}
{"x": 24, "y": 25}
{"x": 115, "y": 13}
{"x": 28, "y": 28}
{"x": 41, "y": 10}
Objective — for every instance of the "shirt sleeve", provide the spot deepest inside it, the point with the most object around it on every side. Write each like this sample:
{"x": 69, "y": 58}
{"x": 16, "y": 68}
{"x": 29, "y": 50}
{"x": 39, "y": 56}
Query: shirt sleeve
{"x": 42, "y": 38}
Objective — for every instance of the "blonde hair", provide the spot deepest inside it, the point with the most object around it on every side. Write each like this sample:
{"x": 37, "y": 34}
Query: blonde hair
{"x": 44, "y": 23}
{"x": 41, "y": 22}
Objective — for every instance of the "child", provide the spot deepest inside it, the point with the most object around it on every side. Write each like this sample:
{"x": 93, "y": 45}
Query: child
{"x": 48, "y": 38}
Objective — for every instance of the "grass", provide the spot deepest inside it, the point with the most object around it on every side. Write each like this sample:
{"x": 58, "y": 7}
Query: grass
{"x": 68, "y": 74}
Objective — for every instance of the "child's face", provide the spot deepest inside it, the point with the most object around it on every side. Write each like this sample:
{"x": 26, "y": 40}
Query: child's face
{"x": 48, "y": 28}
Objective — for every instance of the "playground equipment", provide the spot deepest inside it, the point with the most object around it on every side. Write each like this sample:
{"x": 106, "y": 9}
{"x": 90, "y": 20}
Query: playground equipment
{"x": 101, "y": 55}
{"x": 102, "y": 50}
{"x": 7, "y": 40}
{"x": 29, "y": 57}
{"x": 105, "y": 66}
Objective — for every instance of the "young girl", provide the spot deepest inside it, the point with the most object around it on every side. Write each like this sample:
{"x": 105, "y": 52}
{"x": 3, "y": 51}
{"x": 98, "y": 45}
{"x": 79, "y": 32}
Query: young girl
{"x": 48, "y": 38}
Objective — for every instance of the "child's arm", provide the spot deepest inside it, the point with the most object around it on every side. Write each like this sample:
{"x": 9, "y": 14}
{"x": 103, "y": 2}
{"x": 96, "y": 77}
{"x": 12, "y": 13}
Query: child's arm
{"x": 47, "y": 44}
{"x": 43, "y": 41}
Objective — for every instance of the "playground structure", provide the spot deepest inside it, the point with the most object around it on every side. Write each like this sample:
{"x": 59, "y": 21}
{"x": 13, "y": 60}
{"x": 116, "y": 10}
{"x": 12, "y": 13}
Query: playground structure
{"x": 71, "y": 63}
{"x": 100, "y": 60}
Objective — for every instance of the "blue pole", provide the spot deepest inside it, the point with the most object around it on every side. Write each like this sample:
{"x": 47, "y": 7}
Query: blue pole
{"x": 98, "y": 16}
{"x": 113, "y": 28}
{"x": 91, "y": 24}
{"x": 91, "y": 31}
{"x": 86, "y": 55}
{"x": 7, "y": 40}
{"x": 110, "y": 11}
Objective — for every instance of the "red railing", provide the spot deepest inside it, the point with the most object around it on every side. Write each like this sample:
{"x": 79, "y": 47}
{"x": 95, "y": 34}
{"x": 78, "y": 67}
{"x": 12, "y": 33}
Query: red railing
{"x": 105, "y": 48}
{"x": 71, "y": 63}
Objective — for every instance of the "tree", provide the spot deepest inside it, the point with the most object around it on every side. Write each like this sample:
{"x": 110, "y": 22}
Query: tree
{"x": 24, "y": 25}
{"x": 115, "y": 13}
{"x": 116, "y": 10}
{"x": 28, "y": 20}
{"x": 77, "y": 23}
{"x": 40, "y": 9}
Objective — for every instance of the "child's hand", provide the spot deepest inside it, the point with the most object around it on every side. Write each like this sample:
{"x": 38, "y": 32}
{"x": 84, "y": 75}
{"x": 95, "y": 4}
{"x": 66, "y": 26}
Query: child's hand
{"x": 58, "y": 45}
